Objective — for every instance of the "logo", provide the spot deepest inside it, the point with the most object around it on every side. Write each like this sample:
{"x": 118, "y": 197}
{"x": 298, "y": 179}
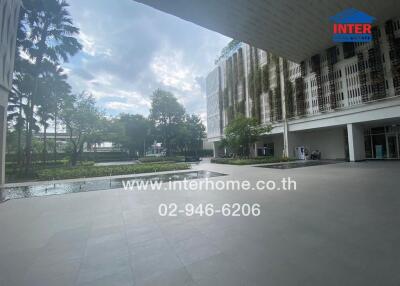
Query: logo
{"x": 352, "y": 26}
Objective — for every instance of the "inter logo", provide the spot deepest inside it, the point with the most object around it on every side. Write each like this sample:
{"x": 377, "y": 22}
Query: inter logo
{"x": 353, "y": 26}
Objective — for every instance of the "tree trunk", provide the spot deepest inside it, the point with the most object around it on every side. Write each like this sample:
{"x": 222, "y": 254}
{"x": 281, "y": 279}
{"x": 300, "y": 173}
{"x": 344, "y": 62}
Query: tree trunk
{"x": 45, "y": 143}
{"x": 39, "y": 59}
{"x": 74, "y": 158}
{"x": 55, "y": 136}
{"x": 19, "y": 138}
{"x": 19, "y": 131}
{"x": 30, "y": 123}
{"x": 19, "y": 147}
{"x": 74, "y": 155}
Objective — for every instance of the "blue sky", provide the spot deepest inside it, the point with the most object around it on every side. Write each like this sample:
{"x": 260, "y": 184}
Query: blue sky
{"x": 131, "y": 49}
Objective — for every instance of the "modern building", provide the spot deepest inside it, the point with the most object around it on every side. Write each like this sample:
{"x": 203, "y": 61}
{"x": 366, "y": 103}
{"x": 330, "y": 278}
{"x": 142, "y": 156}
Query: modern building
{"x": 9, "y": 13}
{"x": 348, "y": 90}
{"x": 340, "y": 99}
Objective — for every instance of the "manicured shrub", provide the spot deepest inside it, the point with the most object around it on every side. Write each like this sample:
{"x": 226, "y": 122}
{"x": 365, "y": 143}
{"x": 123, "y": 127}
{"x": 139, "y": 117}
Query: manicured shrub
{"x": 249, "y": 161}
{"x": 100, "y": 171}
{"x": 162, "y": 159}
{"x": 199, "y": 153}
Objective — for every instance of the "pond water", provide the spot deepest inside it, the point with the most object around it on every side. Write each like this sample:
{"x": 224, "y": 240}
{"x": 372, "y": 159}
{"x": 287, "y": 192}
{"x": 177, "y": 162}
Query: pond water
{"x": 49, "y": 189}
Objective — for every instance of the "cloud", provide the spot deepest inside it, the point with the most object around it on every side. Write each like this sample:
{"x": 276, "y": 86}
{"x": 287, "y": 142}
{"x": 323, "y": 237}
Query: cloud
{"x": 129, "y": 50}
{"x": 172, "y": 72}
{"x": 120, "y": 106}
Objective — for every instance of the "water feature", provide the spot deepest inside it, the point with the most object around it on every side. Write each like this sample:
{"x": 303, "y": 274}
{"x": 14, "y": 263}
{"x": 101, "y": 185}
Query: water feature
{"x": 48, "y": 189}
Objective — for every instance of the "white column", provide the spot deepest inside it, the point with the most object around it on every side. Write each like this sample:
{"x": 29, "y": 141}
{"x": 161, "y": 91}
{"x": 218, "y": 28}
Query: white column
{"x": 283, "y": 98}
{"x": 355, "y": 137}
{"x": 214, "y": 149}
{"x": 255, "y": 149}
{"x": 3, "y": 133}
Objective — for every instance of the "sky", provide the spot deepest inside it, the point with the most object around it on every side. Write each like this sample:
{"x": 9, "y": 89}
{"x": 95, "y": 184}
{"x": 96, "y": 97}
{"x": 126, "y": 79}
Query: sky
{"x": 130, "y": 49}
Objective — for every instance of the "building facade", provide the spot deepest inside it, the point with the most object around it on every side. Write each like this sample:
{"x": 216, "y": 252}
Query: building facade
{"x": 343, "y": 102}
{"x": 9, "y": 14}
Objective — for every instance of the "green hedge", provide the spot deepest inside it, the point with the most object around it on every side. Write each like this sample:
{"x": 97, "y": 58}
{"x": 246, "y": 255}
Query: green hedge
{"x": 15, "y": 173}
{"x": 249, "y": 161}
{"x": 51, "y": 164}
{"x": 86, "y": 156}
{"x": 100, "y": 171}
{"x": 162, "y": 159}
{"x": 200, "y": 153}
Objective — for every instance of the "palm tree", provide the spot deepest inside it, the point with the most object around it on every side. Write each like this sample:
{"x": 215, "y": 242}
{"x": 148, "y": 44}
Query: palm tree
{"x": 60, "y": 91}
{"x": 15, "y": 112}
{"x": 19, "y": 99}
{"x": 50, "y": 39}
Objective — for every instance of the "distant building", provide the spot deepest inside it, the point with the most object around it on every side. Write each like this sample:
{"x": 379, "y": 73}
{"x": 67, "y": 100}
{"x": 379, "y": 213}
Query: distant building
{"x": 340, "y": 102}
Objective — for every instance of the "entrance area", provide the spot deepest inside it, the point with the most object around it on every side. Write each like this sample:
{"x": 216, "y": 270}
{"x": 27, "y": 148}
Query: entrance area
{"x": 382, "y": 142}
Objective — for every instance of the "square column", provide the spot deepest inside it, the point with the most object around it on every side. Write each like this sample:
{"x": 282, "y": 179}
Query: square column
{"x": 3, "y": 133}
{"x": 215, "y": 149}
{"x": 355, "y": 137}
{"x": 283, "y": 99}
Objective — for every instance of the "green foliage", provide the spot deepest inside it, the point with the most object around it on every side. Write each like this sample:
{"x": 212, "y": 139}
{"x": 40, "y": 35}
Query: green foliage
{"x": 252, "y": 161}
{"x": 126, "y": 130}
{"x": 16, "y": 173}
{"x": 271, "y": 106}
{"x": 257, "y": 94}
{"x": 289, "y": 98}
{"x": 255, "y": 91}
{"x": 265, "y": 78}
{"x": 277, "y": 103}
{"x": 277, "y": 99}
{"x": 252, "y": 92}
{"x": 100, "y": 171}
{"x": 162, "y": 159}
{"x": 46, "y": 35}
{"x": 242, "y": 132}
{"x": 83, "y": 122}
{"x": 199, "y": 153}
{"x": 177, "y": 131}
{"x": 166, "y": 113}
{"x": 190, "y": 135}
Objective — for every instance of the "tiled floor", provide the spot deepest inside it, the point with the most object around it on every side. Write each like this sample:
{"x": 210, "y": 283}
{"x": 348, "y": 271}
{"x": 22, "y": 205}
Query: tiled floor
{"x": 340, "y": 227}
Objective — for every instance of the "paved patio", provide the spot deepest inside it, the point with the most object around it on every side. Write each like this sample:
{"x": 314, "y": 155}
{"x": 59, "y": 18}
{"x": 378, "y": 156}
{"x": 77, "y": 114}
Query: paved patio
{"x": 340, "y": 227}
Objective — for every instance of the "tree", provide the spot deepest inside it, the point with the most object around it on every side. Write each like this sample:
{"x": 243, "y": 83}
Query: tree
{"x": 242, "y": 132}
{"x": 55, "y": 91}
{"x": 134, "y": 132}
{"x": 18, "y": 100}
{"x": 46, "y": 34}
{"x": 166, "y": 113}
{"x": 82, "y": 121}
{"x": 191, "y": 133}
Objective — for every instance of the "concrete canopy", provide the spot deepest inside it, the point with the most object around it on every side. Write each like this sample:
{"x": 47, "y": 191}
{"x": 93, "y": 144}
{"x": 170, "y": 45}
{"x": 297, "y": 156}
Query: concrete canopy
{"x": 289, "y": 28}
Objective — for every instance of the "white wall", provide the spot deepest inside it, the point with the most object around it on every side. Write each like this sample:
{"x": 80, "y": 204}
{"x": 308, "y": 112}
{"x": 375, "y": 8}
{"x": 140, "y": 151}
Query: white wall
{"x": 277, "y": 139}
{"x": 331, "y": 142}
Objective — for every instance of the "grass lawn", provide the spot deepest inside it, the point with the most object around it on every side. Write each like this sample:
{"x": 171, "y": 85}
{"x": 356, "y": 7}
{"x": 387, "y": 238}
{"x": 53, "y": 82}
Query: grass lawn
{"x": 249, "y": 161}
{"x": 65, "y": 172}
